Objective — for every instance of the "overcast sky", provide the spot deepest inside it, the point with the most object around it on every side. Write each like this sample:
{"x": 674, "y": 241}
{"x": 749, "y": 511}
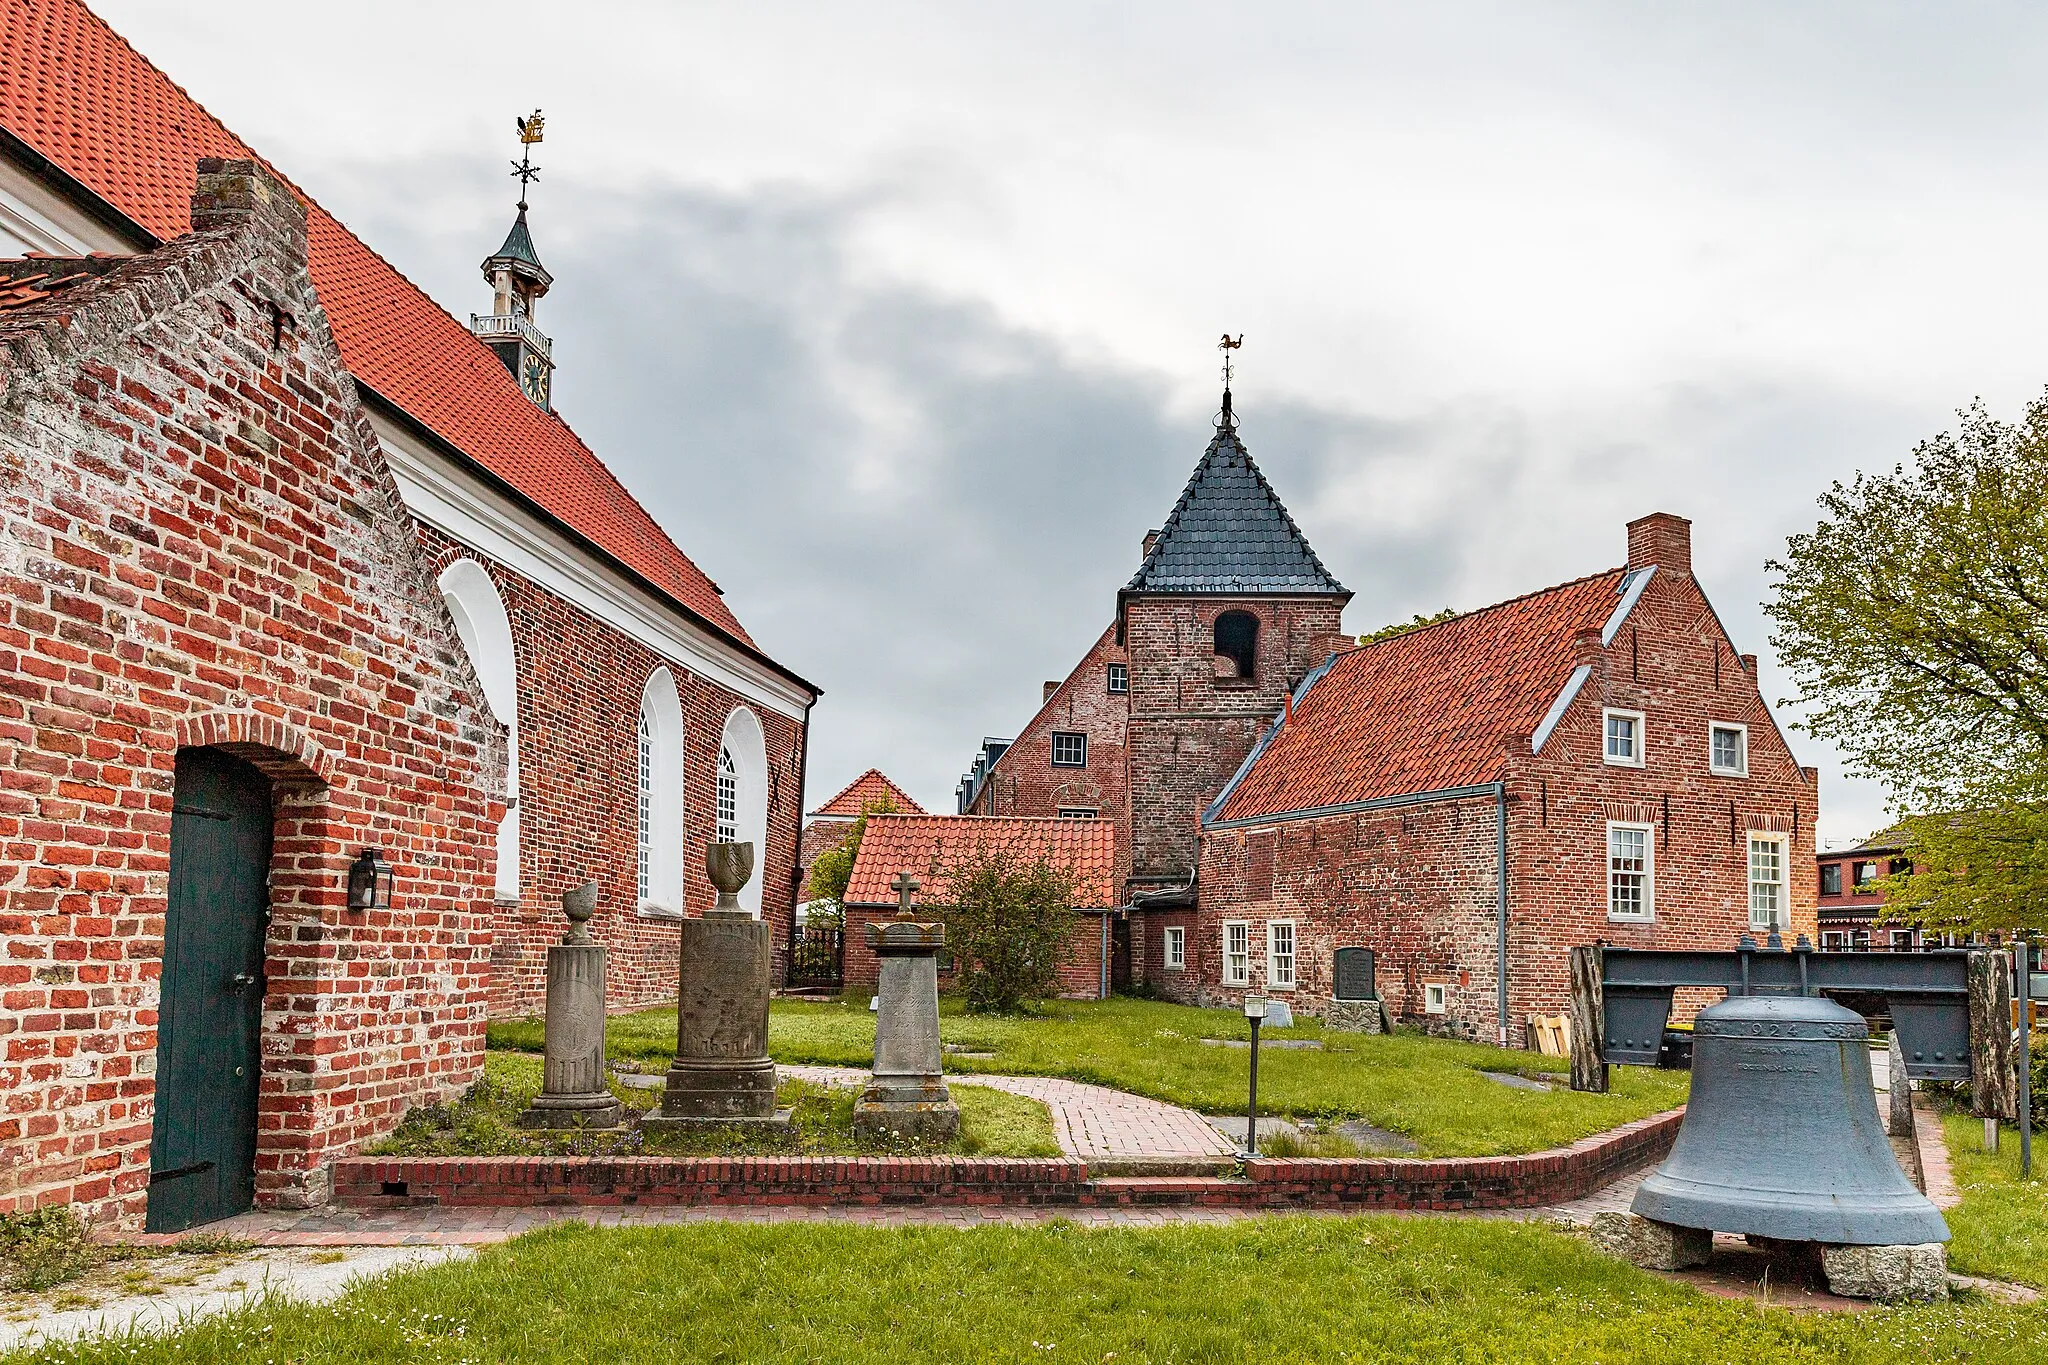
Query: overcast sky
{"x": 900, "y": 317}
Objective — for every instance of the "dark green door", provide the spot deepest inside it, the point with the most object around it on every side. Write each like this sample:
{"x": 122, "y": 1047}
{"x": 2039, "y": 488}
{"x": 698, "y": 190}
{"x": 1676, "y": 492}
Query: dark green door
{"x": 202, "y": 1153}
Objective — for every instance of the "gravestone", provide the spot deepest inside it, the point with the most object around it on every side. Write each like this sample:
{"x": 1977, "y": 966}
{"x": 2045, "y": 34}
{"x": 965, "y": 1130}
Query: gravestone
{"x": 721, "y": 1074}
{"x": 1354, "y": 1005}
{"x": 1354, "y": 970}
{"x": 573, "y": 1091}
{"x": 907, "y": 1097}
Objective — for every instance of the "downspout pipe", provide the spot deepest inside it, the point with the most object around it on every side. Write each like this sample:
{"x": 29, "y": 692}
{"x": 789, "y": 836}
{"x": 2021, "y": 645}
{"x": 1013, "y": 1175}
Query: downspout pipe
{"x": 796, "y": 875}
{"x": 1102, "y": 992}
{"x": 1500, "y": 912}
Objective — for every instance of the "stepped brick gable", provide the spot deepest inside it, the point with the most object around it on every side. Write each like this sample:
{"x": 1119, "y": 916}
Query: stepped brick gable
{"x": 204, "y": 549}
{"x": 1415, "y": 770}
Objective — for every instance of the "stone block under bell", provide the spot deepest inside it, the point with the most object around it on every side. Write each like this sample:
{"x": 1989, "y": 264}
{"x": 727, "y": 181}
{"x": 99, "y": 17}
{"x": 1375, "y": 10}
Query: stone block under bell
{"x": 1781, "y": 1136}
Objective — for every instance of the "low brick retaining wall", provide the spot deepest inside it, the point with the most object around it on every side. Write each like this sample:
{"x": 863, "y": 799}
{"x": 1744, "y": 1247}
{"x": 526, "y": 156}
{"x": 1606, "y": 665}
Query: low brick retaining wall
{"x": 1459, "y": 1183}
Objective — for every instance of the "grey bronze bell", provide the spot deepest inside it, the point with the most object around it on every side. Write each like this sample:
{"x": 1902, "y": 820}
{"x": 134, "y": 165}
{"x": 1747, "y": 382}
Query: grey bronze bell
{"x": 1781, "y": 1136}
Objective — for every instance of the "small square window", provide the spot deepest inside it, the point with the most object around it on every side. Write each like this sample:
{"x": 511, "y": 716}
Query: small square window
{"x": 1119, "y": 677}
{"x": 1866, "y": 873}
{"x": 1728, "y": 750}
{"x": 1624, "y": 732}
{"x": 1078, "y": 812}
{"x": 1069, "y": 749}
{"x": 1631, "y": 872}
{"x": 1280, "y": 955}
{"x": 1237, "y": 953}
{"x": 1433, "y": 1001}
{"x": 1176, "y": 948}
{"x": 1831, "y": 879}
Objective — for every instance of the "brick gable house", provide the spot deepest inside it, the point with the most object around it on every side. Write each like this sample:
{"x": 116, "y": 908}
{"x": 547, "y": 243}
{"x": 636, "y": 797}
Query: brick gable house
{"x": 225, "y": 669}
{"x": 827, "y": 827}
{"x": 642, "y": 719}
{"x": 1600, "y": 743}
{"x": 926, "y": 846}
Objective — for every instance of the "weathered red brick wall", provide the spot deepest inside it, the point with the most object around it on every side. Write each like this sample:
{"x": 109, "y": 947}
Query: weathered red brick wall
{"x": 1148, "y": 954}
{"x": 203, "y": 547}
{"x": 580, "y": 685}
{"x": 1190, "y": 729}
{"x": 1025, "y": 782}
{"x": 1418, "y": 883}
{"x": 1080, "y": 966}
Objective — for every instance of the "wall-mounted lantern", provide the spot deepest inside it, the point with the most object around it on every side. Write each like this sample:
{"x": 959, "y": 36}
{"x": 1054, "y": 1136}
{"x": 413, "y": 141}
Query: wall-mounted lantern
{"x": 370, "y": 880}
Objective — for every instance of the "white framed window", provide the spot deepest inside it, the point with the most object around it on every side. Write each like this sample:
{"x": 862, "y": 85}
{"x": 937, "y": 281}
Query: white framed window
{"x": 1176, "y": 950}
{"x": 1069, "y": 749}
{"x": 646, "y": 804}
{"x": 1280, "y": 955}
{"x": 485, "y": 630}
{"x": 1624, "y": 737}
{"x": 1434, "y": 998}
{"x": 1834, "y": 940}
{"x": 1902, "y": 940}
{"x": 1119, "y": 677}
{"x": 1728, "y": 749}
{"x": 1767, "y": 882}
{"x": 728, "y": 798}
{"x": 1237, "y": 953}
{"x": 1631, "y": 871}
{"x": 1079, "y": 812}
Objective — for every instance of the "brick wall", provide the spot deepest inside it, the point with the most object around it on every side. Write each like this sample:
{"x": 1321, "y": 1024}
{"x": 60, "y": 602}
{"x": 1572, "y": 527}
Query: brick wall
{"x": 1190, "y": 729}
{"x": 580, "y": 683}
{"x": 1418, "y": 883}
{"x": 1025, "y": 782}
{"x": 203, "y": 547}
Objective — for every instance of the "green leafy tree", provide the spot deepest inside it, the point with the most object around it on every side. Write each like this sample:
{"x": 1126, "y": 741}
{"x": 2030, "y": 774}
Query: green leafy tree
{"x": 1007, "y": 926}
{"x": 1403, "y": 627}
{"x": 833, "y": 869}
{"x": 1914, "y": 618}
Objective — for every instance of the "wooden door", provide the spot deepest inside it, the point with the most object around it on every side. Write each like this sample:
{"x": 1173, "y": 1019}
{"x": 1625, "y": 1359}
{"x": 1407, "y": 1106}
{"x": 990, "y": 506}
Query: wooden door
{"x": 202, "y": 1153}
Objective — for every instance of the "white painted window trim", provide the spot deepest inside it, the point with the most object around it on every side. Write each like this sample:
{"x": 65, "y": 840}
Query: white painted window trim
{"x": 1649, "y": 874}
{"x": 1436, "y": 997}
{"x": 661, "y": 712}
{"x": 1053, "y": 748}
{"x": 1274, "y": 957}
{"x": 1783, "y": 881}
{"x": 1078, "y": 812}
{"x": 747, "y": 745}
{"x": 485, "y": 631}
{"x": 1641, "y": 733}
{"x": 1110, "y": 676}
{"x": 1244, "y": 977}
{"x": 1740, "y": 729}
{"x": 1174, "y": 949}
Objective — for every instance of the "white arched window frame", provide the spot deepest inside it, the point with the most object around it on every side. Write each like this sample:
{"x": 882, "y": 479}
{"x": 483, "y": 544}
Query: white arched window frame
{"x": 660, "y": 768}
{"x": 743, "y": 763}
{"x": 486, "y": 634}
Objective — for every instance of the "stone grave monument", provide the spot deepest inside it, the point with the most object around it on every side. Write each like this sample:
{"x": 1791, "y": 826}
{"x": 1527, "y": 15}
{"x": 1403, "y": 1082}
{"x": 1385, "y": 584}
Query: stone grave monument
{"x": 573, "y": 1090}
{"x": 721, "y": 1075}
{"x": 907, "y": 1097}
{"x": 1354, "y": 1005}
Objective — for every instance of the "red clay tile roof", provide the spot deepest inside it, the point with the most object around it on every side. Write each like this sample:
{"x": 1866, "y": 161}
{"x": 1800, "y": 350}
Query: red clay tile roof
{"x": 74, "y": 91}
{"x": 869, "y": 789}
{"x": 922, "y": 844}
{"x": 1427, "y": 710}
{"x": 33, "y": 279}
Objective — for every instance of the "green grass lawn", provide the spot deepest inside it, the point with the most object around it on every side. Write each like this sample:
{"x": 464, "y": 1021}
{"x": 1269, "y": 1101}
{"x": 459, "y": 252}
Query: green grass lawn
{"x": 1272, "y": 1290}
{"x": 1428, "y": 1089}
{"x": 484, "y": 1123}
{"x": 2001, "y": 1229}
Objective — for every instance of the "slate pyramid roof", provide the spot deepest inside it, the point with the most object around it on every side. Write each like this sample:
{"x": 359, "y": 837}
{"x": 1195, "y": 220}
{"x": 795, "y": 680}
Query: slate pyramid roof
{"x": 518, "y": 249}
{"x": 1229, "y": 533}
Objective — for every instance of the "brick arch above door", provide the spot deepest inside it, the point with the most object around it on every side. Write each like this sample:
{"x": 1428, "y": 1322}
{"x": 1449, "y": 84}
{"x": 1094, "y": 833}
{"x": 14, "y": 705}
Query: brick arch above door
{"x": 281, "y": 751}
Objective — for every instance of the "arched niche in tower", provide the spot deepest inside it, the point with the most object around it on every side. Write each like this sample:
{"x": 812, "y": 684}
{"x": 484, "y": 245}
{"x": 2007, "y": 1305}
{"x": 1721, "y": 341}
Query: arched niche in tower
{"x": 486, "y": 634}
{"x": 1237, "y": 645}
{"x": 742, "y": 786}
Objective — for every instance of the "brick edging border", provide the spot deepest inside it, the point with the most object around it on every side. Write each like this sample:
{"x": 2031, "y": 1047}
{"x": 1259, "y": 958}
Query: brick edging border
{"x": 1450, "y": 1183}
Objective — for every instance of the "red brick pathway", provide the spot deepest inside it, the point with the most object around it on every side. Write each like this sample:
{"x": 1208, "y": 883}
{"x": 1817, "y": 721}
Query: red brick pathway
{"x": 1089, "y": 1121}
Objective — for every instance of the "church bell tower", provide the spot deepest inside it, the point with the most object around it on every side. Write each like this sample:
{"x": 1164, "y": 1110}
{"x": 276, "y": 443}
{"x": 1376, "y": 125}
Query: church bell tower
{"x": 518, "y": 280}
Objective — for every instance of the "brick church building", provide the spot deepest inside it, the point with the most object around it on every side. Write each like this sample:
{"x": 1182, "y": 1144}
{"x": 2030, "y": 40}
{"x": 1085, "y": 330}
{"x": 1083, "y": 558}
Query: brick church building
{"x": 295, "y": 566}
{"x": 1467, "y": 800}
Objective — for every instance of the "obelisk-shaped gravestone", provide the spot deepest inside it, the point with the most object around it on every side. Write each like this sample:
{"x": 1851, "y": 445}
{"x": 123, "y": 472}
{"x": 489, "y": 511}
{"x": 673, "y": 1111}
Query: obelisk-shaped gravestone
{"x": 573, "y": 1090}
{"x": 721, "y": 1072}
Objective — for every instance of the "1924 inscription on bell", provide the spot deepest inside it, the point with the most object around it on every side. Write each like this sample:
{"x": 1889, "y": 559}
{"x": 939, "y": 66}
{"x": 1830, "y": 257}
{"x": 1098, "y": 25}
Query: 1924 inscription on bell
{"x": 1354, "y": 973}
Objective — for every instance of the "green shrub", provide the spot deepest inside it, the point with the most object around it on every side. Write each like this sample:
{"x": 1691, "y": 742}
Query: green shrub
{"x": 45, "y": 1248}
{"x": 1007, "y": 926}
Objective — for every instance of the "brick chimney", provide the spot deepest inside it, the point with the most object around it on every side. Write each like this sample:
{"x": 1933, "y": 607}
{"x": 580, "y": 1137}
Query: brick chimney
{"x": 1151, "y": 539}
{"x": 1660, "y": 539}
{"x": 236, "y": 194}
{"x": 1050, "y": 688}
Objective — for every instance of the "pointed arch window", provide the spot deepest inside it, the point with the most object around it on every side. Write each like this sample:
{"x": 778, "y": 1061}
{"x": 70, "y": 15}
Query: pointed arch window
{"x": 485, "y": 630}
{"x": 742, "y": 795}
{"x": 728, "y": 798}
{"x": 659, "y": 765}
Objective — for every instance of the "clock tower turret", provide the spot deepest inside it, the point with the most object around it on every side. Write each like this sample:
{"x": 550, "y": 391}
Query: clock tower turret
{"x": 518, "y": 280}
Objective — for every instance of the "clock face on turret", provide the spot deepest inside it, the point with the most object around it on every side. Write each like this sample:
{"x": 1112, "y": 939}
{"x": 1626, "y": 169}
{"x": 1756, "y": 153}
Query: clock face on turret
{"x": 533, "y": 377}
